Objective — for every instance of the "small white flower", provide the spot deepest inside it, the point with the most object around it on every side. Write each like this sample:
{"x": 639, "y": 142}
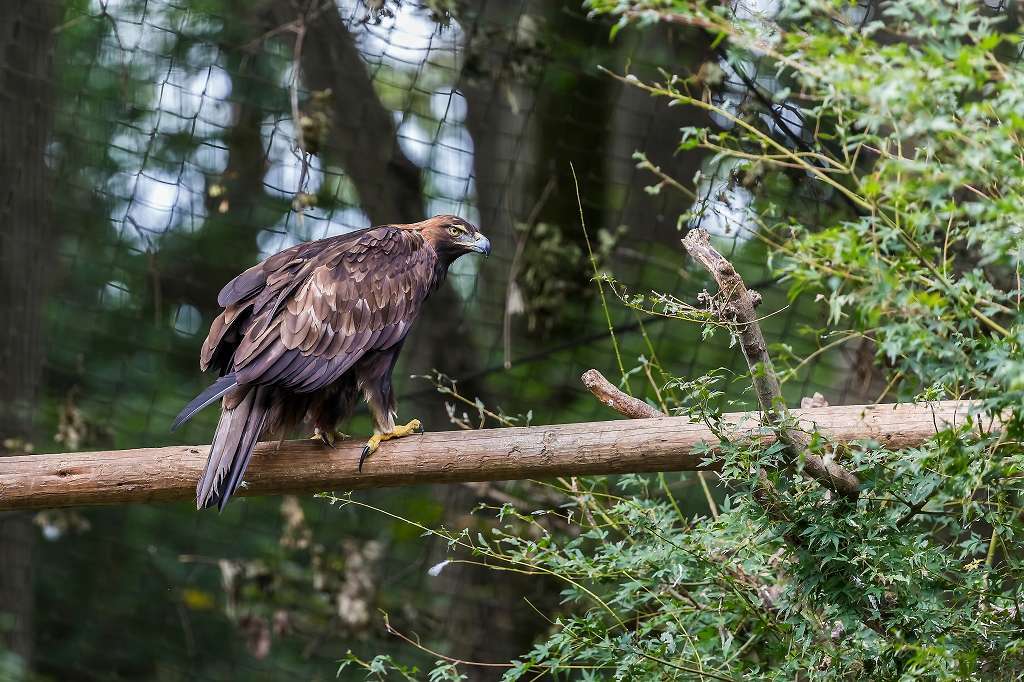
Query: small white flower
{"x": 436, "y": 569}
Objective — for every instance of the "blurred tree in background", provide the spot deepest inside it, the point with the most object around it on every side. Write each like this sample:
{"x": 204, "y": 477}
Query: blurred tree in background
{"x": 152, "y": 149}
{"x": 25, "y": 280}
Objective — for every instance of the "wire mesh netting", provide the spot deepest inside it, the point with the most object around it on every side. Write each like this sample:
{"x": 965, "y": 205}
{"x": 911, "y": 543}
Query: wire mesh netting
{"x": 189, "y": 140}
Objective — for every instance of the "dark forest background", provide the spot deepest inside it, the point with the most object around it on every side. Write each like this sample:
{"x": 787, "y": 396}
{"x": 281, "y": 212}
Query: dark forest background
{"x": 147, "y": 154}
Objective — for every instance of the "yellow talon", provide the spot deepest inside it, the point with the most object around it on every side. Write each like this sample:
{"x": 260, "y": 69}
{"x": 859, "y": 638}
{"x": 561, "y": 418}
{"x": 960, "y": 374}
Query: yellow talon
{"x": 377, "y": 438}
{"x": 400, "y": 431}
{"x": 328, "y": 438}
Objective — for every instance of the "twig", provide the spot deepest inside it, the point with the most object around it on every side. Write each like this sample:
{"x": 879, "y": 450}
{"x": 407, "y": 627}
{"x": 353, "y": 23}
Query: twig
{"x": 737, "y": 310}
{"x": 600, "y": 286}
{"x": 416, "y": 643}
{"x": 300, "y": 143}
{"x": 513, "y": 269}
{"x": 634, "y": 408}
{"x": 609, "y": 395}
{"x": 666, "y": 179}
{"x": 916, "y": 508}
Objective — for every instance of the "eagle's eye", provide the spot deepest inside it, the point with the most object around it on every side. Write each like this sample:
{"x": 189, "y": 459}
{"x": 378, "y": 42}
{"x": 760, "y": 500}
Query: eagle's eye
{"x": 454, "y": 231}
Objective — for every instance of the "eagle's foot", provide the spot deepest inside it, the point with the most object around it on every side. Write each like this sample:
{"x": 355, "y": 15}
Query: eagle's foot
{"x": 414, "y": 426}
{"x": 328, "y": 438}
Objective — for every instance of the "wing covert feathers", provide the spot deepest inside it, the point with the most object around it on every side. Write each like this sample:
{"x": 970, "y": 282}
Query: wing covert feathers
{"x": 321, "y": 311}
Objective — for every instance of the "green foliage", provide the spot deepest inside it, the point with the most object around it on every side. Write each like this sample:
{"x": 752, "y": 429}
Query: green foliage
{"x": 549, "y": 281}
{"x": 909, "y": 138}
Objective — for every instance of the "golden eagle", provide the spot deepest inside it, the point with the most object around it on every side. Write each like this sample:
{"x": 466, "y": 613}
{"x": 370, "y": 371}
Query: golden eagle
{"x": 303, "y": 332}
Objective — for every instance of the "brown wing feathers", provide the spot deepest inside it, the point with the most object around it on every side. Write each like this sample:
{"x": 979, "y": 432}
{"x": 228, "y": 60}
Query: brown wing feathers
{"x": 352, "y": 300}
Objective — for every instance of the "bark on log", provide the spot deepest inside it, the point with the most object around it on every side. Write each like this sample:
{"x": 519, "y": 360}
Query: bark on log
{"x": 612, "y": 447}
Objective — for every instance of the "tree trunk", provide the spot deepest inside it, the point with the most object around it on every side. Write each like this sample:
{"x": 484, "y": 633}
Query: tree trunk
{"x": 362, "y": 134}
{"x": 26, "y": 255}
{"x": 499, "y": 118}
{"x": 500, "y": 121}
{"x": 649, "y": 125}
{"x": 236, "y": 213}
{"x": 362, "y": 139}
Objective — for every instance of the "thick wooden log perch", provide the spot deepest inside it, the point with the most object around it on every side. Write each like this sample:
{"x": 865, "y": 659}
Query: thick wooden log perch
{"x": 611, "y": 447}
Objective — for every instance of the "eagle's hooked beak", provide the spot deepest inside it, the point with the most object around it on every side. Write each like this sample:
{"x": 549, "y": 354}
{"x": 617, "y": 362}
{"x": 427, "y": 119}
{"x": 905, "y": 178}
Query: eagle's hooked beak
{"x": 481, "y": 245}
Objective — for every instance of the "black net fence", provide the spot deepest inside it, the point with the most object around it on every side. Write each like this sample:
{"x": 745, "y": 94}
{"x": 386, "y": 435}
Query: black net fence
{"x": 154, "y": 149}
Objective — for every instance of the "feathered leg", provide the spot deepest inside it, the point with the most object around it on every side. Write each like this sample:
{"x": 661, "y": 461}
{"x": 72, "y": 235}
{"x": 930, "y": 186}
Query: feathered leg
{"x": 330, "y": 407}
{"x": 373, "y": 374}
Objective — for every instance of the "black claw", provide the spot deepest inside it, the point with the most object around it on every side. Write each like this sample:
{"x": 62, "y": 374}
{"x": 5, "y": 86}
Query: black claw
{"x": 362, "y": 457}
{"x": 327, "y": 439}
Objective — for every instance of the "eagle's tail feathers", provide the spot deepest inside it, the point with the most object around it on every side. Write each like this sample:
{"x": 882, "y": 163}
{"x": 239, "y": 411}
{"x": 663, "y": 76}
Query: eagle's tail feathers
{"x": 237, "y": 433}
{"x": 209, "y": 396}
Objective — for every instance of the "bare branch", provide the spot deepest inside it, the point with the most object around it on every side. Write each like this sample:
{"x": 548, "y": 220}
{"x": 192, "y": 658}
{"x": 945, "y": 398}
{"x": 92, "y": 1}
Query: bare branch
{"x": 626, "y": 405}
{"x": 737, "y": 310}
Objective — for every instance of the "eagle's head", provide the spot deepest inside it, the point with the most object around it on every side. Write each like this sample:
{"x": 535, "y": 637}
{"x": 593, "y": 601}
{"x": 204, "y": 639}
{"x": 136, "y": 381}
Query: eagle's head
{"x": 452, "y": 237}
